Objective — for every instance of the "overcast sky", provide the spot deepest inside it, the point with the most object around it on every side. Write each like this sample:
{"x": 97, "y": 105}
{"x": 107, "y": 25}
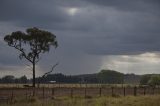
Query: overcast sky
{"x": 122, "y": 35}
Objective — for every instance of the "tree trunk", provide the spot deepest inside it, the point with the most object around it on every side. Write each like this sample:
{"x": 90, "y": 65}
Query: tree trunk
{"x": 34, "y": 79}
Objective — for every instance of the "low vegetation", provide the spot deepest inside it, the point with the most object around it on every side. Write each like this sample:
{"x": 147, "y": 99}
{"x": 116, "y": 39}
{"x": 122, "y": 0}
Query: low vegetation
{"x": 150, "y": 79}
{"x": 96, "y": 101}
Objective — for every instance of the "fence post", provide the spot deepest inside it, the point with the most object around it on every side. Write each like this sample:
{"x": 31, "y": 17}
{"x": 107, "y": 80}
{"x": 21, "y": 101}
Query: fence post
{"x": 53, "y": 91}
{"x": 124, "y": 91}
{"x": 153, "y": 90}
{"x": 12, "y": 95}
{"x": 135, "y": 91}
{"x": 85, "y": 92}
{"x": 71, "y": 92}
{"x": 43, "y": 93}
{"x": 26, "y": 94}
{"x": 100, "y": 91}
{"x": 112, "y": 91}
{"x": 144, "y": 91}
{"x": 33, "y": 91}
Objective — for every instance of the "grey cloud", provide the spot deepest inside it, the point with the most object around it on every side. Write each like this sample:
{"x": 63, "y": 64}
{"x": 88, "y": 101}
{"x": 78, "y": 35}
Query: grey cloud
{"x": 127, "y": 5}
{"x": 99, "y": 27}
{"x": 128, "y": 31}
{"x": 32, "y": 13}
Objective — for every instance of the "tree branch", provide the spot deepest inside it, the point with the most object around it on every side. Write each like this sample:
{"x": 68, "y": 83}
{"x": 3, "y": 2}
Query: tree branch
{"x": 21, "y": 50}
{"x": 50, "y": 71}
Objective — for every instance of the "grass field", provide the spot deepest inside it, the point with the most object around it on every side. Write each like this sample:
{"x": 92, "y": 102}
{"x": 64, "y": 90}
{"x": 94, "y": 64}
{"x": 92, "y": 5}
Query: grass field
{"x": 94, "y": 101}
{"x": 79, "y": 95}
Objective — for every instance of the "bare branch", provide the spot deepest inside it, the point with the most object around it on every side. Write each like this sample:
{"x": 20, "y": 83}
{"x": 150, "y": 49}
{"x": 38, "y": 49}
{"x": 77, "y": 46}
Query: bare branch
{"x": 50, "y": 70}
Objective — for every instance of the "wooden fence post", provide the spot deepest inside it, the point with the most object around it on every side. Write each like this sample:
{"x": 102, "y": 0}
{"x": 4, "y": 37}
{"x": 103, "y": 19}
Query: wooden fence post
{"x": 124, "y": 91}
{"x": 12, "y": 95}
{"x": 100, "y": 91}
{"x": 26, "y": 94}
{"x": 53, "y": 92}
{"x": 85, "y": 92}
{"x": 112, "y": 91}
{"x": 43, "y": 93}
{"x": 71, "y": 92}
{"x": 153, "y": 90}
{"x": 33, "y": 91}
{"x": 144, "y": 91}
{"x": 135, "y": 91}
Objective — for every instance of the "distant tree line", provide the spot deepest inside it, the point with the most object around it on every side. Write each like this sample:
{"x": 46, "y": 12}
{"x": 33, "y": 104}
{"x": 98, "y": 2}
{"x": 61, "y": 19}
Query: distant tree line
{"x": 150, "y": 79}
{"x": 104, "y": 76}
{"x": 12, "y": 79}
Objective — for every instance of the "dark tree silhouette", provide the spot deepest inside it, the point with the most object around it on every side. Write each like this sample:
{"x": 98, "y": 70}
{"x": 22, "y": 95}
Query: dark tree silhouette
{"x": 31, "y": 44}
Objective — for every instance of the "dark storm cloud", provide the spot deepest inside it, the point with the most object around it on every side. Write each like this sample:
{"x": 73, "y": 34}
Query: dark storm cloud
{"x": 125, "y": 32}
{"x": 129, "y": 5}
{"x": 98, "y": 27}
{"x": 32, "y": 13}
{"x": 113, "y": 27}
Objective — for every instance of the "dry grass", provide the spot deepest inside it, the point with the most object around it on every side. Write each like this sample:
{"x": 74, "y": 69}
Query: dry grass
{"x": 67, "y": 85}
{"x": 96, "y": 101}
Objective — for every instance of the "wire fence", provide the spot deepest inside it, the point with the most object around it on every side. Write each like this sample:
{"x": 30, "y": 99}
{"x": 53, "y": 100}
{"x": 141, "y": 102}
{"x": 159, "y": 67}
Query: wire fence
{"x": 47, "y": 93}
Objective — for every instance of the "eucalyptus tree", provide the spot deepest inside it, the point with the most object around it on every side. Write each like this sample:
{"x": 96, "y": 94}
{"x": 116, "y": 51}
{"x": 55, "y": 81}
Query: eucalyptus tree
{"x": 31, "y": 44}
